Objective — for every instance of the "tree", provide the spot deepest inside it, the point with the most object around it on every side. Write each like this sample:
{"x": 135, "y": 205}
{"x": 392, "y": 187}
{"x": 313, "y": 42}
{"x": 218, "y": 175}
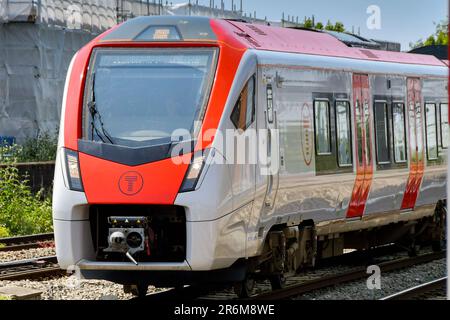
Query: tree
{"x": 319, "y": 26}
{"x": 339, "y": 27}
{"x": 430, "y": 41}
{"x": 440, "y": 37}
{"x": 329, "y": 26}
{"x": 442, "y": 33}
{"x": 308, "y": 24}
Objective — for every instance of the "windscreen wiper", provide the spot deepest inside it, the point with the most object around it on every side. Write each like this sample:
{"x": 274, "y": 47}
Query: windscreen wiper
{"x": 92, "y": 105}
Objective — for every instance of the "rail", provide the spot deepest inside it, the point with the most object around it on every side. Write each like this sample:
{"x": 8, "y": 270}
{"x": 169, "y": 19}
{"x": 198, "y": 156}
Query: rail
{"x": 422, "y": 290}
{"x": 35, "y": 268}
{"x": 26, "y": 242}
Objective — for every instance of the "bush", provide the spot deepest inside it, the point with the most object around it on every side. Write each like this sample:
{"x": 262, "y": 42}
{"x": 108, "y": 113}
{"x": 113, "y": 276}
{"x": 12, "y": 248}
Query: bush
{"x": 41, "y": 148}
{"x": 22, "y": 212}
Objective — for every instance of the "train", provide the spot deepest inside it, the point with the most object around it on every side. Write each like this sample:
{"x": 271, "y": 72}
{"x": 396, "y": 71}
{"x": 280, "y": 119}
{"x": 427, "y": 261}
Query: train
{"x": 199, "y": 150}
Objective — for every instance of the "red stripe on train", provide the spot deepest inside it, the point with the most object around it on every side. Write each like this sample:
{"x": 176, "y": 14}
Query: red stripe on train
{"x": 363, "y": 146}
{"x": 416, "y": 144}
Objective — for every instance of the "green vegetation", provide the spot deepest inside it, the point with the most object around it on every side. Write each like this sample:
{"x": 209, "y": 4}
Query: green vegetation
{"x": 41, "y": 148}
{"x": 3, "y": 232}
{"x": 319, "y": 26}
{"x": 338, "y": 26}
{"x": 309, "y": 23}
{"x": 440, "y": 37}
{"x": 21, "y": 211}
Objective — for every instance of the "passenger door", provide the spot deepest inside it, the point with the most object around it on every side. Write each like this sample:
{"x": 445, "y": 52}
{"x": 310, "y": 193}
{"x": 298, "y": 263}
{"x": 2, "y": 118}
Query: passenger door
{"x": 363, "y": 145}
{"x": 243, "y": 169}
{"x": 416, "y": 148}
{"x": 272, "y": 168}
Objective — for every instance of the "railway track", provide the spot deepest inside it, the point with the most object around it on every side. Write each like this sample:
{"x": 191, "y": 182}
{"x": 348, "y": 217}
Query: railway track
{"x": 27, "y": 242}
{"x": 432, "y": 289}
{"x": 299, "y": 284}
{"x": 30, "y": 268}
{"x": 359, "y": 273}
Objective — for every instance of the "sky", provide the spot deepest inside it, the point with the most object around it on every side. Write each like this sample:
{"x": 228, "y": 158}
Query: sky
{"x": 401, "y": 21}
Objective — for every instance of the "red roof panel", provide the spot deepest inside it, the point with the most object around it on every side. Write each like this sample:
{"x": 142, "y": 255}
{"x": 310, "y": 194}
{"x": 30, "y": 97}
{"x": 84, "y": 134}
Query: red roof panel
{"x": 311, "y": 42}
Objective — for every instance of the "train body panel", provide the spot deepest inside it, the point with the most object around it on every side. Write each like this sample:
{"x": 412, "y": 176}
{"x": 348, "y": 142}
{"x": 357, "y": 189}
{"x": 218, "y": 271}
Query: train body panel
{"x": 332, "y": 141}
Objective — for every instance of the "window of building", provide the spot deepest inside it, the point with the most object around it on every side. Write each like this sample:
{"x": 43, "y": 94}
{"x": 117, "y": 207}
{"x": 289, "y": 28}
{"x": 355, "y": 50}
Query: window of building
{"x": 322, "y": 123}
{"x": 343, "y": 133}
{"x": 399, "y": 132}
{"x": 243, "y": 113}
{"x": 430, "y": 119}
{"x": 444, "y": 125}
{"x": 382, "y": 133}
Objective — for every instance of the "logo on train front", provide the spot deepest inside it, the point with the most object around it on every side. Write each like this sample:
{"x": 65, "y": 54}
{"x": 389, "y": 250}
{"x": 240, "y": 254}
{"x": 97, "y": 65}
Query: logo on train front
{"x": 131, "y": 183}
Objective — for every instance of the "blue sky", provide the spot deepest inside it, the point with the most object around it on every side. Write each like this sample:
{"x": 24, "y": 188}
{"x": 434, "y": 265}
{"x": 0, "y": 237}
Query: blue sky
{"x": 402, "y": 21}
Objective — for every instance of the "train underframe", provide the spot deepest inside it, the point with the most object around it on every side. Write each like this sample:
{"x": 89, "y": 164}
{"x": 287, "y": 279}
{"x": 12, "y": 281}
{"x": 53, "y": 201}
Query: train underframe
{"x": 287, "y": 249}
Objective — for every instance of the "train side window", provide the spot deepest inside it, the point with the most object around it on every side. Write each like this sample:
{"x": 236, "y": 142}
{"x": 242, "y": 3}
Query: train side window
{"x": 322, "y": 126}
{"x": 399, "y": 132}
{"x": 343, "y": 133}
{"x": 243, "y": 113}
{"x": 431, "y": 125}
{"x": 382, "y": 132}
{"x": 445, "y": 135}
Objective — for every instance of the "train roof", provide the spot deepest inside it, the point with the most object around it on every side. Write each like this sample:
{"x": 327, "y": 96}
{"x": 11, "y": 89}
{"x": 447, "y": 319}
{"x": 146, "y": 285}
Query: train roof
{"x": 252, "y": 36}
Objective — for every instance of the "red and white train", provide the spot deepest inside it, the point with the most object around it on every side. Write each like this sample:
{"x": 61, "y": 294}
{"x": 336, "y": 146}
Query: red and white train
{"x": 359, "y": 137}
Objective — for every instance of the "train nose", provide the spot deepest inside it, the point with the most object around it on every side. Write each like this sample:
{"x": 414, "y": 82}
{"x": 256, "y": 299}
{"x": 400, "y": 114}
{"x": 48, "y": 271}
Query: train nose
{"x": 108, "y": 182}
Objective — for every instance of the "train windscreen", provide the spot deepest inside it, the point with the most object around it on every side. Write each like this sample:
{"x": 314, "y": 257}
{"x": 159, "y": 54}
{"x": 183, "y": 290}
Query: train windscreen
{"x": 142, "y": 97}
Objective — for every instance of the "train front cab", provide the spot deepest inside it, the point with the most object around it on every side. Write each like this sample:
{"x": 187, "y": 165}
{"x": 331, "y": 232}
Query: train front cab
{"x": 119, "y": 177}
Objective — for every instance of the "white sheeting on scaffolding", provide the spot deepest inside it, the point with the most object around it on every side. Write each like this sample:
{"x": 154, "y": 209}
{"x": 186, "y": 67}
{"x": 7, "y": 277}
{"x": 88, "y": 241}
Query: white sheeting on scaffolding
{"x": 93, "y": 15}
{"x": 34, "y": 58}
{"x": 33, "y": 64}
{"x": 37, "y": 41}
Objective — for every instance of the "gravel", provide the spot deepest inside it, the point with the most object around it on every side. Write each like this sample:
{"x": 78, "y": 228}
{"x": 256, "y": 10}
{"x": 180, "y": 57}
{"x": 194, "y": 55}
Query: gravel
{"x": 391, "y": 283}
{"x": 6, "y": 256}
{"x": 67, "y": 288}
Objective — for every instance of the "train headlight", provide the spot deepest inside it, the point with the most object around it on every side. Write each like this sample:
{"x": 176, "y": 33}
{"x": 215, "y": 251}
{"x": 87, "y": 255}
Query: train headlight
{"x": 194, "y": 171}
{"x": 73, "y": 170}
